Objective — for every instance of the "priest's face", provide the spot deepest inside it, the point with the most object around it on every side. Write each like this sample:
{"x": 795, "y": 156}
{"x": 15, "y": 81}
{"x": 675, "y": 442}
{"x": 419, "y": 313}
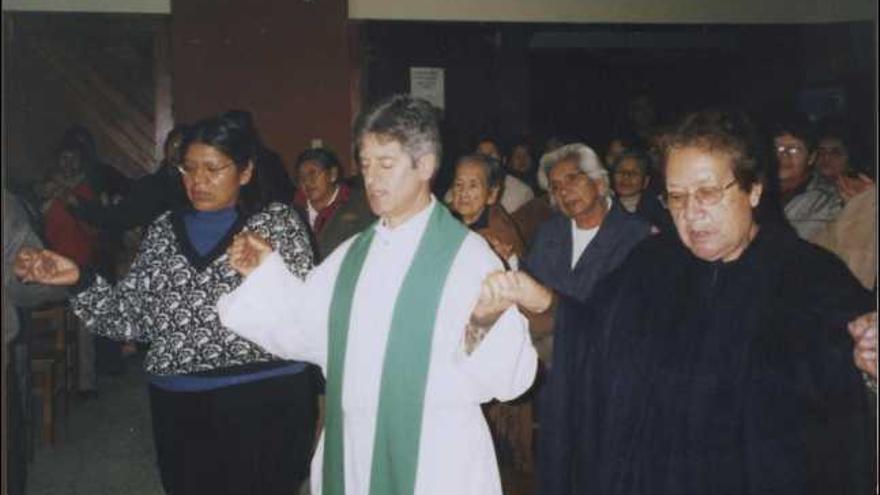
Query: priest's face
{"x": 397, "y": 184}
{"x": 712, "y": 213}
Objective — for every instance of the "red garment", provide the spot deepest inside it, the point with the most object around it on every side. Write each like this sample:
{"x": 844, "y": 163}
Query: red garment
{"x": 67, "y": 234}
{"x": 327, "y": 212}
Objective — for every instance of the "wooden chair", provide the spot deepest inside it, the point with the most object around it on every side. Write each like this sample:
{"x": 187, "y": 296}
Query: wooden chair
{"x": 49, "y": 333}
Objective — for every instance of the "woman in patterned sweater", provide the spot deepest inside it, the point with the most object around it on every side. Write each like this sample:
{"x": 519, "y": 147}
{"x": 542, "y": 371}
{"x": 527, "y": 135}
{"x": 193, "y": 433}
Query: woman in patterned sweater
{"x": 228, "y": 417}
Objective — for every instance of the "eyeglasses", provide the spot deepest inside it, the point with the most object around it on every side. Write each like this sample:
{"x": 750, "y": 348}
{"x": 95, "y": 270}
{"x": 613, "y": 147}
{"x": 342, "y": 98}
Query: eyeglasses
{"x": 789, "y": 151}
{"x": 704, "y": 196}
{"x": 213, "y": 169}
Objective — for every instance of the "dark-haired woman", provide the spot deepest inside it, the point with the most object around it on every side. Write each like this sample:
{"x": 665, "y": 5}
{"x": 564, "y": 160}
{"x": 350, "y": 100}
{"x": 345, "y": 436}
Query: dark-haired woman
{"x": 228, "y": 417}
{"x": 336, "y": 210}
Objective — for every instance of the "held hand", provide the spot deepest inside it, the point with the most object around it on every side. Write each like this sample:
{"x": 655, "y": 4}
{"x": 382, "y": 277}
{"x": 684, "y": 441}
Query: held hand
{"x": 864, "y": 332}
{"x": 530, "y": 295}
{"x": 247, "y": 251}
{"x": 496, "y": 295}
{"x": 47, "y": 267}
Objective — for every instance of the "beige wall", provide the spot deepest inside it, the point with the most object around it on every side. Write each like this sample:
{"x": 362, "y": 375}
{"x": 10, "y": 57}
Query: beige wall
{"x": 618, "y": 11}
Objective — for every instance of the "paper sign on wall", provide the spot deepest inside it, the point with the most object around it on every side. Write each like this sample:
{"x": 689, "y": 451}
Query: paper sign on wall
{"x": 427, "y": 83}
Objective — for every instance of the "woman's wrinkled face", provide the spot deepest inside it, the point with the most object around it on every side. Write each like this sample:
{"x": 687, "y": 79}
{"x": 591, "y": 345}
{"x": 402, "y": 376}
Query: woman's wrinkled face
{"x": 576, "y": 194}
{"x": 316, "y": 182}
{"x": 211, "y": 179}
{"x": 712, "y": 214}
{"x": 470, "y": 191}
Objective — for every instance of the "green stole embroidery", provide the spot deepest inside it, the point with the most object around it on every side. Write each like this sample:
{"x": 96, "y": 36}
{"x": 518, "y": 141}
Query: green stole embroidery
{"x": 407, "y": 356}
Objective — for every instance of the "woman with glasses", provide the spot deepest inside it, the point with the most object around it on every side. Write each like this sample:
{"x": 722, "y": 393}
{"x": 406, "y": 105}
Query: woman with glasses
{"x": 228, "y": 417}
{"x": 809, "y": 201}
{"x": 630, "y": 178}
{"x": 720, "y": 359}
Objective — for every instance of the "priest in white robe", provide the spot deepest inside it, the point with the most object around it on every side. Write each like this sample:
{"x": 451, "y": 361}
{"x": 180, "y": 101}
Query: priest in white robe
{"x": 410, "y": 337}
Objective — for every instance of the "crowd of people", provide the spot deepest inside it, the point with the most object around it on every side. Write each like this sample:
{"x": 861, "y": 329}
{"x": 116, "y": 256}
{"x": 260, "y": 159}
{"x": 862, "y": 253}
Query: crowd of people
{"x": 691, "y": 311}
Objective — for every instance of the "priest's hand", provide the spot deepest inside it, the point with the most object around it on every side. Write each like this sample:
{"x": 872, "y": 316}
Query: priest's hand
{"x": 864, "y": 332}
{"x": 496, "y": 295}
{"x": 247, "y": 251}
{"x": 530, "y": 295}
{"x": 46, "y": 267}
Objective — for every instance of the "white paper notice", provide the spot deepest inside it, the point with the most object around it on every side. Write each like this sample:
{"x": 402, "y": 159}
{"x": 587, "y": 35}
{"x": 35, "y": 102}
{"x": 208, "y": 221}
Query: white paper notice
{"x": 427, "y": 83}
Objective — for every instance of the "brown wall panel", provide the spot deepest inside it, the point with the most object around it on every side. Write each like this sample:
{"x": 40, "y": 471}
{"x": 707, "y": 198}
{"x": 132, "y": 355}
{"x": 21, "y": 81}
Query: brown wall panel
{"x": 286, "y": 61}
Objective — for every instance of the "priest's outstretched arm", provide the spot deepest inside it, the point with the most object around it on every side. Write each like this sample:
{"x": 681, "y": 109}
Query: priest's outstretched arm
{"x": 497, "y": 350}
{"x": 272, "y": 307}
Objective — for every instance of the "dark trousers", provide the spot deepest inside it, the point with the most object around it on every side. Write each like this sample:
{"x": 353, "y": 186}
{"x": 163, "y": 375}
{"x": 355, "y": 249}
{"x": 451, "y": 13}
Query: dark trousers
{"x": 253, "y": 438}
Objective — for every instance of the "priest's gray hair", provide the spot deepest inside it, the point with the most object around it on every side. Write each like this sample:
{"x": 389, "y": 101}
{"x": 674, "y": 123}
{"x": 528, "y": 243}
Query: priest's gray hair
{"x": 412, "y": 122}
{"x": 586, "y": 159}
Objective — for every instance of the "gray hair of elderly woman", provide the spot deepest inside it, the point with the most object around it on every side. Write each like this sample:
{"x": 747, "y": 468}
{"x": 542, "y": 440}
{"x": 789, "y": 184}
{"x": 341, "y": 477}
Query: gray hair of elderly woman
{"x": 583, "y": 155}
{"x": 490, "y": 165}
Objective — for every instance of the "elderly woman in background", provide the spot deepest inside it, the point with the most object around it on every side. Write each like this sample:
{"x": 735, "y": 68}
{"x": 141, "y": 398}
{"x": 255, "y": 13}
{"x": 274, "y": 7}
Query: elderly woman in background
{"x": 475, "y": 190}
{"x": 228, "y": 417}
{"x": 719, "y": 359}
{"x": 572, "y": 252}
{"x": 335, "y": 209}
{"x": 630, "y": 178}
{"x": 810, "y": 202}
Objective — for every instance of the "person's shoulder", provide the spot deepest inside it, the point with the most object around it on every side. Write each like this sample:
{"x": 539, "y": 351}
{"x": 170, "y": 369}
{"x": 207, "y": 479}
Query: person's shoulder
{"x": 477, "y": 256}
{"x": 626, "y": 221}
{"x": 817, "y": 197}
{"x": 659, "y": 248}
{"x": 785, "y": 248}
{"x": 281, "y": 212}
{"x": 553, "y": 225}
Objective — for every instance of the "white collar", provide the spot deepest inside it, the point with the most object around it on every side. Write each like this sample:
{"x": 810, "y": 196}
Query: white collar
{"x": 412, "y": 227}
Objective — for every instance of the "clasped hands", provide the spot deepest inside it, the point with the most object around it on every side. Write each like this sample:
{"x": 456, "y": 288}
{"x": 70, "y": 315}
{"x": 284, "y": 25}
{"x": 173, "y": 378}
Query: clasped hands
{"x": 499, "y": 290}
{"x": 864, "y": 333}
{"x": 503, "y": 289}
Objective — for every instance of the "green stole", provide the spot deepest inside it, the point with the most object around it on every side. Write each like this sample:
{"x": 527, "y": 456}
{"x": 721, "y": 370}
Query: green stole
{"x": 407, "y": 356}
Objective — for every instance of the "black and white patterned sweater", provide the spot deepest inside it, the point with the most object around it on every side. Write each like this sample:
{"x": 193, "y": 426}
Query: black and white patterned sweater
{"x": 169, "y": 296}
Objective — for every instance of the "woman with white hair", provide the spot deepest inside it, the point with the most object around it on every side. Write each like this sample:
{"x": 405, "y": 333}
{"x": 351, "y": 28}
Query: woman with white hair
{"x": 577, "y": 247}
